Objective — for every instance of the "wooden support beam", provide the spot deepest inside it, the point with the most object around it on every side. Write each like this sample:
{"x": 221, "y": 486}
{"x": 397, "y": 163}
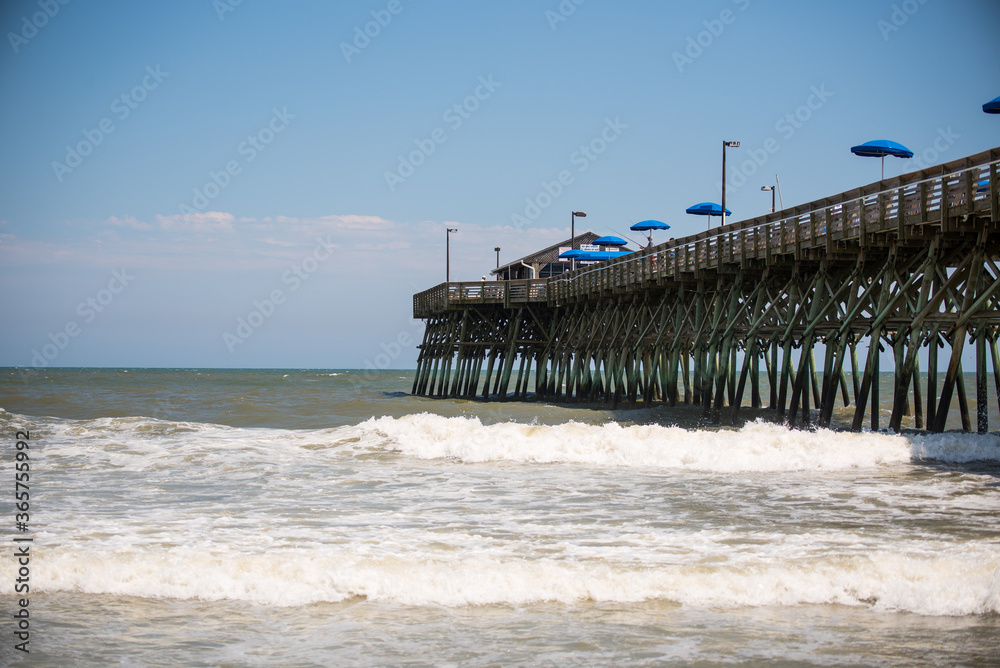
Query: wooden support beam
{"x": 830, "y": 381}
{"x": 510, "y": 352}
{"x": 963, "y": 400}
{"x": 755, "y": 376}
{"x": 812, "y": 374}
{"x": 958, "y": 342}
{"x": 905, "y": 368}
{"x": 995, "y": 359}
{"x": 876, "y": 386}
{"x": 934, "y": 342}
{"x": 982, "y": 408}
{"x": 772, "y": 376}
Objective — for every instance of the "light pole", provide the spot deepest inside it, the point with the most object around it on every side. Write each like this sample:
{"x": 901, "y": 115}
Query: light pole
{"x": 572, "y": 233}
{"x": 497, "y": 249}
{"x": 771, "y": 188}
{"x": 725, "y": 144}
{"x": 447, "y": 254}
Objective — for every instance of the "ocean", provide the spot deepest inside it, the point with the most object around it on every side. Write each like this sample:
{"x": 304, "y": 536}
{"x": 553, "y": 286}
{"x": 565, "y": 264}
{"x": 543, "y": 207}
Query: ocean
{"x": 328, "y": 518}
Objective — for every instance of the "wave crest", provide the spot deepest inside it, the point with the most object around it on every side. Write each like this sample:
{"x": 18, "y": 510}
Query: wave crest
{"x": 951, "y": 583}
{"x": 757, "y": 447}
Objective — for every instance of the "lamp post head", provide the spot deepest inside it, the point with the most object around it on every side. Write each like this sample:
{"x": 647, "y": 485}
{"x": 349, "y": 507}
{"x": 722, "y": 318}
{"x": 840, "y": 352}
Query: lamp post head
{"x": 579, "y": 214}
{"x": 767, "y": 188}
{"x": 731, "y": 144}
{"x": 452, "y": 229}
{"x": 497, "y": 249}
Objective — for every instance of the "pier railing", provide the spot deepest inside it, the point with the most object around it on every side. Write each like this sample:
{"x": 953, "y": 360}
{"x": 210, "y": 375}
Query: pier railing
{"x": 446, "y": 295}
{"x": 941, "y": 197}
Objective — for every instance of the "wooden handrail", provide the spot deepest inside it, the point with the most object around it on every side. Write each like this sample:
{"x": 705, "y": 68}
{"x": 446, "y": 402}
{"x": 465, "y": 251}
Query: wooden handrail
{"x": 950, "y": 190}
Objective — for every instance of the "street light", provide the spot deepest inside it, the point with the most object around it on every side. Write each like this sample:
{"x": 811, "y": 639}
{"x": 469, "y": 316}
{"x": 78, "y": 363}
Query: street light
{"x": 725, "y": 144}
{"x": 572, "y": 233}
{"x": 447, "y": 254}
{"x": 497, "y": 249}
{"x": 771, "y": 188}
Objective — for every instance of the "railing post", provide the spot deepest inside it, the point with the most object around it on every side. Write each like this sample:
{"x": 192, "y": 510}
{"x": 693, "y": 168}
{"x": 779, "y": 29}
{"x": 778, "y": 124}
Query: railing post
{"x": 881, "y": 211}
{"x": 994, "y": 190}
{"x": 901, "y": 230}
{"x": 862, "y": 221}
{"x": 970, "y": 192}
{"x": 944, "y": 201}
{"x": 922, "y": 202}
{"x": 828, "y": 229}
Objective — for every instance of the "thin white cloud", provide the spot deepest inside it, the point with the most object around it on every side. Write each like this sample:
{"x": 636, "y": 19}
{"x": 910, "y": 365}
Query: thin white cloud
{"x": 128, "y": 221}
{"x": 392, "y": 245}
{"x": 206, "y": 222}
{"x": 356, "y": 222}
{"x": 278, "y": 242}
{"x": 210, "y": 240}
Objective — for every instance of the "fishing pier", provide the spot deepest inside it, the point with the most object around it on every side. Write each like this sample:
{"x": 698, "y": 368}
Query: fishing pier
{"x": 904, "y": 265}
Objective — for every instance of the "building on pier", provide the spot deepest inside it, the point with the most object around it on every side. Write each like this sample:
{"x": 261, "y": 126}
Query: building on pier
{"x": 542, "y": 264}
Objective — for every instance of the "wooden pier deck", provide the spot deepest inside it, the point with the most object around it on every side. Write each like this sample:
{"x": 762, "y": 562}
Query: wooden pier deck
{"x": 905, "y": 264}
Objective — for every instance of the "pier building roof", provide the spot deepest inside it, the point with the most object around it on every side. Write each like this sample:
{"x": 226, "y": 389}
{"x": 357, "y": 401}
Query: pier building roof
{"x": 543, "y": 262}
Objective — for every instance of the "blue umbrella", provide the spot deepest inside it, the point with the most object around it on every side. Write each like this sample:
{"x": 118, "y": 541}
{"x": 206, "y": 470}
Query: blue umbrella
{"x": 644, "y": 225}
{"x": 609, "y": 241}
{"x": 993, "y": 106}
{"x": 602, "y": 255}
{"x": 707, "y": 209}
{"x": 649, "y": 226}
{"x": 879, "y": 148}
{"x": 571, "y": 253}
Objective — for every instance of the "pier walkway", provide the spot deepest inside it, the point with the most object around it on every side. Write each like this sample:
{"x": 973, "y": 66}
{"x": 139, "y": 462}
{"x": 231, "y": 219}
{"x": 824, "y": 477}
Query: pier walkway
{"x": 906, "y": 264}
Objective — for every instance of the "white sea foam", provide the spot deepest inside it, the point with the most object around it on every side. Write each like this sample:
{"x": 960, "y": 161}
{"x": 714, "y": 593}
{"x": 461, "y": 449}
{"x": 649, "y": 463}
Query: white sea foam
{"x": 139, "y": 442}
{"x": 956, "y": 447}
{"x": 383, "y": 510}
{"x": 953, "y": 582}
{"x": 757, "y": 446}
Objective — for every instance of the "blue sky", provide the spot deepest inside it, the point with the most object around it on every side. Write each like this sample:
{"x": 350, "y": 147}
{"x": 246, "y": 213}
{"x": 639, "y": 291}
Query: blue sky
{"x": 171, "y": 169}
